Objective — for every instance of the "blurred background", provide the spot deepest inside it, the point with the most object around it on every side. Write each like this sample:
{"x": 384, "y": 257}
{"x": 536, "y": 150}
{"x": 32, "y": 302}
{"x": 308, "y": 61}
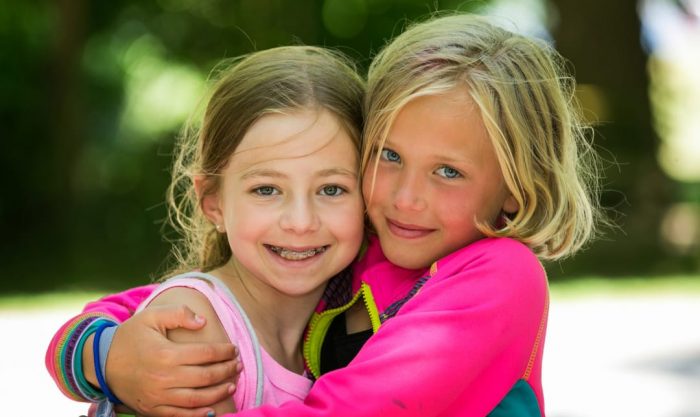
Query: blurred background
{"x": 93, "y": 94}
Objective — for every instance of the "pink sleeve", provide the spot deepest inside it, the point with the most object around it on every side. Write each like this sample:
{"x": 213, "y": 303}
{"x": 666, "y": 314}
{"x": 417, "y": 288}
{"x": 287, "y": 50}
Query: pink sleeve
{"x": 456, "y": 348}
{"x": 116, "y": 307}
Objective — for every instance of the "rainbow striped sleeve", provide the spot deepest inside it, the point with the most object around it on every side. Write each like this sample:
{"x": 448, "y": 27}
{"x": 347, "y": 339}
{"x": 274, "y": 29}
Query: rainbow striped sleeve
{"x": 64, "y": 354}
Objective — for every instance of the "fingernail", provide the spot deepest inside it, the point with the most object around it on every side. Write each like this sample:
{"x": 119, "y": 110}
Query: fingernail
{"x": 200, "y": 319}
{"x": 239, "y": 367}
{"x": 211, "y": 413}
{"x": 231, "y": 389}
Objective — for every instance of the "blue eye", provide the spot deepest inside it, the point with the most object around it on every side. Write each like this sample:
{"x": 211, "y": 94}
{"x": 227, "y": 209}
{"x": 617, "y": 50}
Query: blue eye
{"x": 332, "y": 190}
{"x": 391, "y": 156}
{"x": 265, "y": 190}
{"x": 448, "y": 172}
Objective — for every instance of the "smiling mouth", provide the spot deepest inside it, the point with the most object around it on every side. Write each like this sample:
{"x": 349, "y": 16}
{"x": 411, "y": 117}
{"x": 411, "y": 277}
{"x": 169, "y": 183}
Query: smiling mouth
{"x": 407, "y": 231}
{"x": 295, "y": 255}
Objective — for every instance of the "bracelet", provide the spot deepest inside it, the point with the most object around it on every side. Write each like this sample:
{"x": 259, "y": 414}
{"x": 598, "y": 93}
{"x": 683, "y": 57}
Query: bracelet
{"x": 98, "y": 367}
{"x": 71, "y": 360}
{"x": 105, "y": 342}
{"x": 87, "y": 390}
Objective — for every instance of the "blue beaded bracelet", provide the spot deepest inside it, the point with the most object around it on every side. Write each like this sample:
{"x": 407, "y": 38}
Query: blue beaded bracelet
{"x": 98, "y": 368}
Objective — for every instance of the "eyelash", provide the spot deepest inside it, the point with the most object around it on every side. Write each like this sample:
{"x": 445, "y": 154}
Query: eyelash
{"x": 445, "y": 167}
{"x": 337, "y": 187}
{"x": 258, "y": 191}
{"x": 386, "y": 153}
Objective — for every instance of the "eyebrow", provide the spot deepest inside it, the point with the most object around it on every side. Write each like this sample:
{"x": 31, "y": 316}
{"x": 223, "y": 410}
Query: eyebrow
{"x": 271, "y": 173}
{"x": 452, "y": 160}
{"x": 262, "y": 173}
{"x": 337, "y": 171}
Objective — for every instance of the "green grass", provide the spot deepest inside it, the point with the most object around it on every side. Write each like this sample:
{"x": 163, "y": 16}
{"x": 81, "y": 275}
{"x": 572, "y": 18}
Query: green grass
{"x": 627, "y": 286}
{"x": 582, "y": 287}
{"x": 56, "y": 300}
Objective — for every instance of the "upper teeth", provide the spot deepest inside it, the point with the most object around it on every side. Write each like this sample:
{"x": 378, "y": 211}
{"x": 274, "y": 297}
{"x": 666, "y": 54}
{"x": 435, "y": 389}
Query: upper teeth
{"x": 293, "y": 255}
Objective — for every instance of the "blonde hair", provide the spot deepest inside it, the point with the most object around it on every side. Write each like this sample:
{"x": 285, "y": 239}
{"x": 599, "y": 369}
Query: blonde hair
{"x": 526, "y": 100}
{"x": 245, "y": 89}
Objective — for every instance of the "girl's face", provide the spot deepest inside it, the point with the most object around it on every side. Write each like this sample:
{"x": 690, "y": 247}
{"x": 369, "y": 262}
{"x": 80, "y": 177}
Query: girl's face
{"x": 437, "y": 176}
{"x": 290, "y": 202}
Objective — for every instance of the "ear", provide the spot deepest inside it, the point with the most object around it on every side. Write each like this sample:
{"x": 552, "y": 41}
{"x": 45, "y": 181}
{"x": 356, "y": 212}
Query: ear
{"x": 208, "y": 197}
{"x": 510, "y": 205}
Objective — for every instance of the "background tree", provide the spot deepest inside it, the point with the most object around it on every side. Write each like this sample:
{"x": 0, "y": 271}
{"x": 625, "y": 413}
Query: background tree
{"x": 93, "y": 94}
{"x": 601, "y": 39}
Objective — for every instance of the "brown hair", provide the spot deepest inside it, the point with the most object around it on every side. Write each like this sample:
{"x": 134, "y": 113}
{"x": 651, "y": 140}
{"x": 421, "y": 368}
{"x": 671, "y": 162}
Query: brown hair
{"x": 245, "y": 89}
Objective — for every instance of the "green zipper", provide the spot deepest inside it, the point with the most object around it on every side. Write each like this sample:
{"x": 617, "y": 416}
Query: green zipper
{"x": 320, "y": 322}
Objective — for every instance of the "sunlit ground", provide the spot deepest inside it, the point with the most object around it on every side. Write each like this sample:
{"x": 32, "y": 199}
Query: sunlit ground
{"x": 629, "y": 349}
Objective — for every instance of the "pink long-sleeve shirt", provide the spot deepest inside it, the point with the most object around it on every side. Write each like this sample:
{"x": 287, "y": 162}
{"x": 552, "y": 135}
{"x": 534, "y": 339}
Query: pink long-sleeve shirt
{"x": 468, "y": 343}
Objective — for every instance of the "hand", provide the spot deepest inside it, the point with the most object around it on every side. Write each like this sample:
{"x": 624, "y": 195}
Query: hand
{"x": 157, "y": 377}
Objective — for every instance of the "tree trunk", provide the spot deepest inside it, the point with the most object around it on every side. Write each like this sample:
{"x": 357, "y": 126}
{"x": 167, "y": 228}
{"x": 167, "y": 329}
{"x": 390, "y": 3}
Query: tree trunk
{"x": 66, "y": 98}
{"x": 601, "y": 38}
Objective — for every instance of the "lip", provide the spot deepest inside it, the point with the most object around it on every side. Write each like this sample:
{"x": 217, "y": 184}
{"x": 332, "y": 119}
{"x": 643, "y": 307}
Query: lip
{"x": 297, "y": 248}
{"x": 407, "y": 231}
{"x": 299, "y": 263}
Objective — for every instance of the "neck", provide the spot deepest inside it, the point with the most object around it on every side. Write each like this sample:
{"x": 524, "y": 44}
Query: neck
{"x": 279, "y": 319}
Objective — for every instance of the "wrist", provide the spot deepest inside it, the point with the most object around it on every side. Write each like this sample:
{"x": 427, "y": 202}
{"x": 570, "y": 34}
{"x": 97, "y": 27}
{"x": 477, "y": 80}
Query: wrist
{"x": 77, "y": 364}
{"x": 100, "y": 349}
{"x": 89, "y": 362}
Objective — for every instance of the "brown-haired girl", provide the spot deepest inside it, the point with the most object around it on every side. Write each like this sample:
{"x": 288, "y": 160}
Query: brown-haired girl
{"x": 267, "y": 196}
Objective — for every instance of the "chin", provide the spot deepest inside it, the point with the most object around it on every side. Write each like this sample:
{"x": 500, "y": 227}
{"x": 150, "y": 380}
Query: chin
{"x": 407, "y": 261}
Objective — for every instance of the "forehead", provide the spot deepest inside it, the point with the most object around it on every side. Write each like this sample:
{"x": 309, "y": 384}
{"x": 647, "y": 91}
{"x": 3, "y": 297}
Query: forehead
{"x": 295, "y": 134}
{"x": 278, "y": 128}
{"x": 447, "y": 123}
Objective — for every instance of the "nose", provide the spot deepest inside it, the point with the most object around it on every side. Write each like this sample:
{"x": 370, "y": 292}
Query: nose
{"x": 410, "y": 192}
{"x": 300, "y": 216}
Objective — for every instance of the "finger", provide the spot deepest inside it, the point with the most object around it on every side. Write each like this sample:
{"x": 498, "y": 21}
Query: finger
{"x": 198, "y": 376}
{"x": 200, "y": 397}
{"x": 206, "y": 353}
{"x": 170, "y": 411}
{"x": 174, "y": 317}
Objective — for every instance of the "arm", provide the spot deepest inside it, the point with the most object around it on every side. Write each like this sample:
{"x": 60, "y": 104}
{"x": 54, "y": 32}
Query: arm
{"x": 456, "y": 348}
{"x": 141, "y": 353}
{"x": 115, "y": 308}
{"x": 212, "y": 331}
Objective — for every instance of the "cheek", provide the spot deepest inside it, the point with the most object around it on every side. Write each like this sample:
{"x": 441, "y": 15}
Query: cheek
{"x": 454, "y": 208}
{"x": 494, "y": 199}
{"x": 347, "y": 219}
{"x": 367, "y": 178}
{"x": 247, "y": 220}
{"x": 457, "y": 218}
{"x": 375, "y": 187}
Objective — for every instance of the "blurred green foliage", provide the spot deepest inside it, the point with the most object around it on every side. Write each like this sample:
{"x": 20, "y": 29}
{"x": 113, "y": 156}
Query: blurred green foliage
{"x": 93, "y": 94}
